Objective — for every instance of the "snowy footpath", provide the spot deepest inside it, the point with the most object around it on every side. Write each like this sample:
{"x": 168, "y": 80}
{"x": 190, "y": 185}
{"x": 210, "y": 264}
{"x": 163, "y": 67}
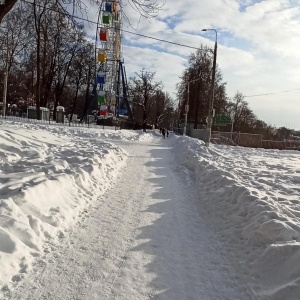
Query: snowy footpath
{"x": 122, "y": 214}
{"x": 144, "y": 238}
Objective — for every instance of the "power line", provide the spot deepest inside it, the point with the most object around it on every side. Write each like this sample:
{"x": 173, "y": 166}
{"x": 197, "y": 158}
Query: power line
{"x": 161, "y": 40}
{"x": 123, "y": 30}
{"x": 272, "y": 93}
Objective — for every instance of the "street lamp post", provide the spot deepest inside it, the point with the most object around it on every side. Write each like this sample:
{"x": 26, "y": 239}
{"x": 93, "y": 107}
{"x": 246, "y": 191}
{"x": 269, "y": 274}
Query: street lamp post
{"x": 211, "y": 102}
{"x": 187, "y": 105}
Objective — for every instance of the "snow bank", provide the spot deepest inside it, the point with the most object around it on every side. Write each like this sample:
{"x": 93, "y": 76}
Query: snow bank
{"x": 48, "y": 176}
{"x": 277, "y": 272}
{"x": 252, "y": 197}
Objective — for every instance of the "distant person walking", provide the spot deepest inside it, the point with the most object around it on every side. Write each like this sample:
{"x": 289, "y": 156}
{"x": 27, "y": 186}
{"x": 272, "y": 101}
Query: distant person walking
{"x": 163, "y": 131}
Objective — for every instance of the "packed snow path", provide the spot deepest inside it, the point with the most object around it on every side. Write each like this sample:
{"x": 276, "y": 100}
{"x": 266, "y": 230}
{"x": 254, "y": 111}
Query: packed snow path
{"x": 144, "y": 239}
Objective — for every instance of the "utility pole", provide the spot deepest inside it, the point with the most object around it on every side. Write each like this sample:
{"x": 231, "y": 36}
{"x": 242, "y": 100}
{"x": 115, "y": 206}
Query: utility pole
{"x": 211, "y": 102}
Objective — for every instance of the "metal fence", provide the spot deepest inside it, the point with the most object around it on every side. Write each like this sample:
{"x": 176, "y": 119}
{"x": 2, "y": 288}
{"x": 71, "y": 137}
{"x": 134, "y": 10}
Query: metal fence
{"x": 240, "y": 139}
{"x": 243, "y": 139}
{"x": 179, "y": 131}
{"x": 217, "y": 137}
{"x": 66, "y": 123}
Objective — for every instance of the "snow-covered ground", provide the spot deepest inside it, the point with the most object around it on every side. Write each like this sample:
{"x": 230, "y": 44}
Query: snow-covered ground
{"x": 94, "y": 214}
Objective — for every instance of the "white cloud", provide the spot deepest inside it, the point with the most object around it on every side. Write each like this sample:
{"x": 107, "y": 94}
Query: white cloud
{"x": 258, "y": 48}
{"x": 167, "y": 67}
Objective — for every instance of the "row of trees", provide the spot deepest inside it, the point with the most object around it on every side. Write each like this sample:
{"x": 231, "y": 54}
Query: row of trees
{"x": 47, "y": 58}
{"x": 145, "y": 8}
{"x": 199, "y": 67}
{"x": 150, "y": 104}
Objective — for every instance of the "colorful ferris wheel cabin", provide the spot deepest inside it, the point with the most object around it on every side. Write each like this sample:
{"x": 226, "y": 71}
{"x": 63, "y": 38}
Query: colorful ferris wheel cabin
{"x": 106, "y": 18}
{"x": 111, "y": 110}
{"x": 103, "y": 110}
{"x": 101, "y": 78}
{"x": 109, "y": 7}
{"x": 102, "y": 56}
{"x": 101, "y": 99}
{"x": 103, "y": 35}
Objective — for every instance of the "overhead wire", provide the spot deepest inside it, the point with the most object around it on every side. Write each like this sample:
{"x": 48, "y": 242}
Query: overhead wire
{"x": 272, "y": 93}
{"x": 123, "y": 30}
{"x": 267, "y": 94}
{"x": 157, "y": 39}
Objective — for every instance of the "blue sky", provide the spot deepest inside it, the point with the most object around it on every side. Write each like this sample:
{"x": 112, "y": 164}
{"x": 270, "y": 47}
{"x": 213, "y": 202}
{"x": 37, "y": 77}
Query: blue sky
{"x": 258, "y": 49}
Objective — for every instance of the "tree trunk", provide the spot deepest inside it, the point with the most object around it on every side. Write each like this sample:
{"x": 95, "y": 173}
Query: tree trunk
{"x": 145, "y": 109}
{"x": 6, "y": 7}
{"x": 38, "y": 75}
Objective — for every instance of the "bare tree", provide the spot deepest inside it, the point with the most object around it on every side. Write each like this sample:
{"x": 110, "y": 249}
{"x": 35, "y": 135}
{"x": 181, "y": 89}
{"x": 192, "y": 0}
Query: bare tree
{"x": 13, "y": 42}
{"x": 143, "y": 89}
{"x": 80, "y": 69}
{"x": 146, "y": 8}
{"x": 52, "y": 42}
{"x": 195, "y": 85}
{"x": 161, "y": 109}
{"x": 242, "y": 116}
{"x": 5, "y": 7}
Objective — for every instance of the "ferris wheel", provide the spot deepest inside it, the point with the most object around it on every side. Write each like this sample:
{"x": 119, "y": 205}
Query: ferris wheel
{"x": 110, "y": 83}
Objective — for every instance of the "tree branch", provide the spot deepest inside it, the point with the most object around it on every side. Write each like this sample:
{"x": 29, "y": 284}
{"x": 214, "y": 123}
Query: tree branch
{"x": 6, "y": 7}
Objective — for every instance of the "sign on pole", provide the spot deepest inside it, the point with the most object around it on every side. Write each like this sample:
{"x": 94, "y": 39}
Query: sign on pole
{"x": 221, "y": 120}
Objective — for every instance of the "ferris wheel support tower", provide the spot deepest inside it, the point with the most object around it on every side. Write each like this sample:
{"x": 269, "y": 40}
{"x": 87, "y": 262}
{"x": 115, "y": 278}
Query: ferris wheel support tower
{"x": 110, "y": 87}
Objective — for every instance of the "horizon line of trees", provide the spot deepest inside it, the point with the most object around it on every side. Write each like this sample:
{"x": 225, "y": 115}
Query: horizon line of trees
{"x": 150, "y": 104}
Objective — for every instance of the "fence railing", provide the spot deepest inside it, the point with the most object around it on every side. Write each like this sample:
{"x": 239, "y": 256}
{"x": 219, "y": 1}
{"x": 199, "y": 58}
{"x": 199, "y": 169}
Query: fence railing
{"x": 50, "y": 122}
{"x": 244, "y": 140}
